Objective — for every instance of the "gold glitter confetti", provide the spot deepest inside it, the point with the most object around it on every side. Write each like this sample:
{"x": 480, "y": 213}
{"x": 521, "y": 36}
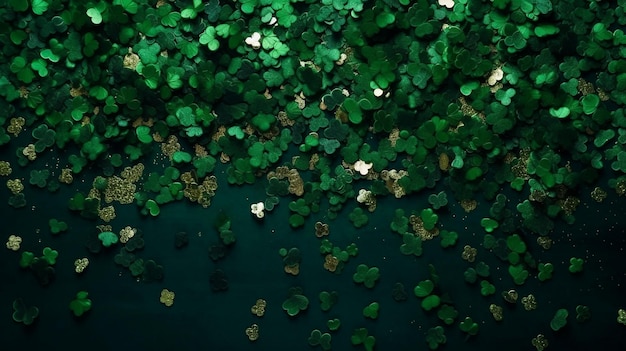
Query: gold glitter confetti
{"x": 15, "y": 125}
{"x": 259, "y": 308}
{"x": 545, "y": 242}
{"x": 66, "y": 176}
{"x": 131, "y": 60}
{"x": 621, "y": 316}
{"x": 167, "y": 297}
{"x": 321, "y": 229}
{"x": 293, "y": 269}
{"x": 469, "y": 253}
{"x": 252, "y": 332}
{"x": 598, "y": 194}
{"x": 14, "y": 242}
{"x": 529, "y": 302}
{"x": 170, "y": 146}
{"x": 496, "y": 312}
{"x": 5, "y": 168}
{"x": 444, "y": 162}
{"x": 469, "y": 205}
{"x": 540, "y": 342}
{"x": 29, "y": 152}
{"x": 418, "y": 227}
{"x": 127, "y": 233}
{"x": 15, "y": 185}
{"x": 107, "y": 213}
{"x": 81, "y": 264}
{"x": 330, "y": 263}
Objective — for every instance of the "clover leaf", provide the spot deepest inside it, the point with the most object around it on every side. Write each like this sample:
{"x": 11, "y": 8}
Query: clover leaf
{"x": 412, "y": 244}
{"x": 358, "y": 217}
{"x": 24, "y": 314}
{"x": 469, "y": 326}
{"x": 80, "y": 304}
{"x": 486, "y": 288}
{"x": 435, "y": 337}
{"x": 318, "y": 338}
{"x": 424, "y": 288}
{"x": 108, "y": 238}
{"x": 333, "y": 324}
{"x": 57, "y": 226}
{"x": 438, "y": 200}
{"x": 429, "y": 217}
{"x": 295, "y": 304}
{"x": 583, "y": 313}
{"x": 448, "y": 238}
{"x": 545, "y": 271}
{"x": 366, "y": 275}
{"x": 518, "y": 273}
{"x": 371, "y": 310}
{"x": 360, "y": 337}
{"x": 559, "y": 320}
{"x": 328, "y": 299}
{"x": 576, "y": 265}
{"x": 50, "y": 255}
{"x": 447, "y": 314}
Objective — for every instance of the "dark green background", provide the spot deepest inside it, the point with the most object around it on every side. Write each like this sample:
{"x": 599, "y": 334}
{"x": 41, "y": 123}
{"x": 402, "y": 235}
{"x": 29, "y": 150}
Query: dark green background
{"x": 128, "y": 315}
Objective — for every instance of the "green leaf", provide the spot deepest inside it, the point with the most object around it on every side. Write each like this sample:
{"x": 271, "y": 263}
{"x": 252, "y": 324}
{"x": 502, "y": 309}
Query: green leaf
{"x": 95, "y": 15}
{"x": 39, "y": 6}
{"x": 208, "y": 38}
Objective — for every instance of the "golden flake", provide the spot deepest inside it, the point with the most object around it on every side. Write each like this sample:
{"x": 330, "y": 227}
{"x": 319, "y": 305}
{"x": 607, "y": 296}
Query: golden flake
{"x": 220, "y": 132}
{"x": 13, "y": 243}
{"x": 167, "y": 297}
{"x": 540, "y": 342}
{"x": 224, "y": 158}
{"x": 469, "y": 253}
{"x": 585, "y": 87}
{"x": 15, "y": 185}
{"x": 200, "y": 150}
{"x": 469, "y": 205}
{"x": 529, "y": 302}
{"x": 284, "y": 119}
{"x": 393, "y": 137}
{"x": 23, "y": 92}
{"x": 252, "y": 332}
{"x": 621, "y": 316}
{"x": 313, "y": 161}
{"x": 66, "y": 176}
{"x": 417, "y": 225}
{"x": 444, "y": 162}
{"x": 104, "y": 227}
{"x": 15, "y": 125}
{"x": 74, "y": 92}
{"x": 598, "y": 194}
{"x": 5, "y": 168}
{"x": 131, "y": 60}
{"x": 330, "y": 263}
{"x": 126, "y": 233}
{"x": 29, "y": 152}
{"x": 293, "y": 269}
{"x": 170, "y": 146}
{"x": 132, "y": 174}
{"x": 259, "y": 308}
{"x": 107, "y": 213}
{"x": 569, "y": 204}
{"x": 620, "y": 187}
{"x": 121, "y": 190}
{"x": 81, "y": 264}
{"x": 545, "y": 242}
{"x": 496, "y": 312}
{"x": 321, "y": 229}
